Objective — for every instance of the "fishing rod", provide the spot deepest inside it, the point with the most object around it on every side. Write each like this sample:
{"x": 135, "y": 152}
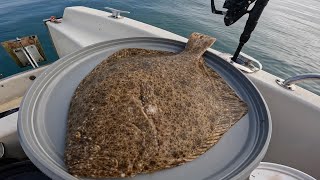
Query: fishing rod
{"x": 235, "y": 10}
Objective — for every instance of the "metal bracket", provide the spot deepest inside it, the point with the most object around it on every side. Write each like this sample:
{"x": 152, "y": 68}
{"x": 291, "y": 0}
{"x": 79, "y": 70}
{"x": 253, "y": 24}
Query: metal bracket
{"x": 289, "y": 83}
{"x": 116, "y": 12}
{"x": 289, "y": 87}
{"x": 244, "y": 62}
{"x": 25, "y": 51}
{"x": 28, "y": 55}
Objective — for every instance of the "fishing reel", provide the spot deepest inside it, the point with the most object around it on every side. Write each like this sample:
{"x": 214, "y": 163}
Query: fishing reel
{"x": 235, "y": 10}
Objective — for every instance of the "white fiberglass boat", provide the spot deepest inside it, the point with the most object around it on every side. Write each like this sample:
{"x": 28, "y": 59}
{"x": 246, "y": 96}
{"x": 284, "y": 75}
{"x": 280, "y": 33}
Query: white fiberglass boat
{"x": 294, "y": 110}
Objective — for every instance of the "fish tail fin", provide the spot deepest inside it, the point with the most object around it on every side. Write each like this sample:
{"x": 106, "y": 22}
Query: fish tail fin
{"x": 198, "y": 44}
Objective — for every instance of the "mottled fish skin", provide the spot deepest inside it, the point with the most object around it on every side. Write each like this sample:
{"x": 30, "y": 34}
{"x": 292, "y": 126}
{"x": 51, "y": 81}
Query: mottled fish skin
{"x": 142, "y": 110}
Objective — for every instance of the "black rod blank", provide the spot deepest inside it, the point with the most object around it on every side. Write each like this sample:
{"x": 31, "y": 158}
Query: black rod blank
{"x": 254, "y": 15}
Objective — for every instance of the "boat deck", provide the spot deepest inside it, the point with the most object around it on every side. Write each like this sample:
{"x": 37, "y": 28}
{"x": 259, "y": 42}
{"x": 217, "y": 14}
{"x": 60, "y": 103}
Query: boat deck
{"x": 14, "y": 103}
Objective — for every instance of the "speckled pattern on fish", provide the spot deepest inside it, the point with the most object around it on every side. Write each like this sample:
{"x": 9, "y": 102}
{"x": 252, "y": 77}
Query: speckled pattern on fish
{"x": 142, "y": 110}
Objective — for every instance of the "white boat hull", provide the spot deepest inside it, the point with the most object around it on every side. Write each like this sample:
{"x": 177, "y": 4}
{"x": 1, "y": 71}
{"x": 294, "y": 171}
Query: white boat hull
{"x": 295, "y": 114}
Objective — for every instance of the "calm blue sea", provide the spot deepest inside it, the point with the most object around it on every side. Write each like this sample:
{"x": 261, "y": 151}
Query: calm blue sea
{"x": 286, "y": 40}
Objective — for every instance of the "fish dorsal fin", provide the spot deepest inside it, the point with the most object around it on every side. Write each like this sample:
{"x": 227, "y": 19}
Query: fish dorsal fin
{"x": 198, "y": 44}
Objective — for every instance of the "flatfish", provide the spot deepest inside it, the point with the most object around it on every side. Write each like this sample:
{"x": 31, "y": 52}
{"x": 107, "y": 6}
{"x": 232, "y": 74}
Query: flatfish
{"x": 141, "y": 111}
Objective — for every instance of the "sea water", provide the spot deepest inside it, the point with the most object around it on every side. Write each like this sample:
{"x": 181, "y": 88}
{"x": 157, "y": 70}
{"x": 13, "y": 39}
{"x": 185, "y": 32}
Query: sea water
{"x": 286, "y": 40}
